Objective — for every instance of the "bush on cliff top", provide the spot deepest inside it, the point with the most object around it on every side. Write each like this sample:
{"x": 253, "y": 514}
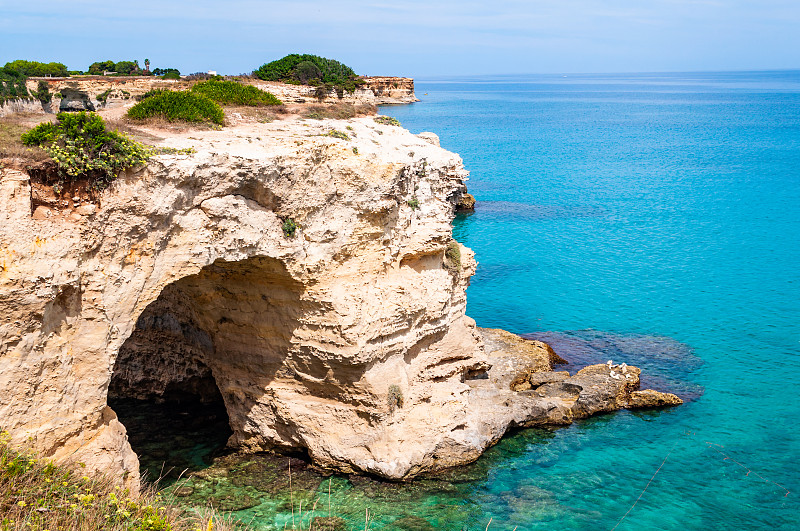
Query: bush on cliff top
{"x": 306, "y": 69}
{"x": 233, "y": 93}
{"x": 36, "y": 69}
{"x": 37, "y": 494}
{"x": 177, "y": 107}
{"x": 310, "y": 67}
{"x": 82, "y": 147}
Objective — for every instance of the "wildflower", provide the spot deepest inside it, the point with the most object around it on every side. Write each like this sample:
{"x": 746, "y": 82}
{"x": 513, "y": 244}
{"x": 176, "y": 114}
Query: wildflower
{"x": 21, "y": 503}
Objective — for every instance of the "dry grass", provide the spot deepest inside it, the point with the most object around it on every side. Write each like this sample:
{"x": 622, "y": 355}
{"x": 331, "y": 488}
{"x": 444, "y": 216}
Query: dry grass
{"x": 136, "y": 133}
{"x": 337, "y": 111}
{"x": 37, "y": 494}
{"x": 160, "y": 123}
{"x": 12, "y": 151}
{"x": 234, "y": 113}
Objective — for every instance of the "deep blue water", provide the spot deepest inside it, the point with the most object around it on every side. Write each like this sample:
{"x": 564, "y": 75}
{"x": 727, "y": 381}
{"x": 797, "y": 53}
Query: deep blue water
{"x": 654, "y": 219}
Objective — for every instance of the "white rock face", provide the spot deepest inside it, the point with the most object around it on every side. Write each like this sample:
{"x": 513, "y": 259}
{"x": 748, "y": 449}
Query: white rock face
{"x": 307, "y": 333}
{"x": 347, "y": 339}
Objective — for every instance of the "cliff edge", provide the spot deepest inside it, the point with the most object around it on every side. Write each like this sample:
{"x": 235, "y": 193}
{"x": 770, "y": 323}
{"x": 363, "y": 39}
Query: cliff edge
{"x": 346, "y": 338}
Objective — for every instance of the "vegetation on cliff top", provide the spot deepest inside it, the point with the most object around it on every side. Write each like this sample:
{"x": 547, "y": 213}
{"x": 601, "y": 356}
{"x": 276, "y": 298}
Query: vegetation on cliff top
{"x": 306, "y": 69}
{"x": 36, "y": 69}
{"x": 177, "y": 106}
{"x": 37, "y": 494}
{"x": 12, "y": 86}
{"x": 82, "y": 147}
{"x": 130, "y": 68}
{"x": 233, "y": 93}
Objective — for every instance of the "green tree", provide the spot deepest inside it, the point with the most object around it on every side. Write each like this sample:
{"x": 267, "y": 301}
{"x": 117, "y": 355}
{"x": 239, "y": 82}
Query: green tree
{"x": 36, "y": 69}
{"x": 126, "y": 67}
{"x": 97, "y": 68}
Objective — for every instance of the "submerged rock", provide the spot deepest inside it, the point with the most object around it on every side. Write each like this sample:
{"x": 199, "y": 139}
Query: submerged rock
{"x": 651, "y": 398}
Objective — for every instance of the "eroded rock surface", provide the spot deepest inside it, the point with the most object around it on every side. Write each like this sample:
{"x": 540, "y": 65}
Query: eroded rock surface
{"x": 522, "y": 389}
{"x": 183, "y": 281}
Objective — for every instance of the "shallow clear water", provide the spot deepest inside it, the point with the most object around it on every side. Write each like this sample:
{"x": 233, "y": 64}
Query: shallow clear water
{"x": 652, "y": 219}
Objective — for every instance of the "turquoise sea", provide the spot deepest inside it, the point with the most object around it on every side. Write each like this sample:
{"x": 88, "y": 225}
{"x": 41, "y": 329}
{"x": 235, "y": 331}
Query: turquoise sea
{"x": 652, "y": 219}
{"x": 655, "y": 219}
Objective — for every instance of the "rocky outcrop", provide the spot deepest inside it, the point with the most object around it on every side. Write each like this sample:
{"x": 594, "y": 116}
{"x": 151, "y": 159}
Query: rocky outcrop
{"x": 375, "y": 91}
{"x": 90, "y": 92}
{"x": 466, "y": 203}
{"x": 303, "y": 335}
{"x": 28, "y": 105}
{"x": 391, "y": 90}
{"x": 522, "y": 389}
{"x": 347, "y": 338}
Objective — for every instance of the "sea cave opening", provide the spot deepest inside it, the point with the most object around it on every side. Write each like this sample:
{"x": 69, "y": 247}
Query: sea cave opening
{"x": 164, "y": 392}
{"x": 198, "y": 360}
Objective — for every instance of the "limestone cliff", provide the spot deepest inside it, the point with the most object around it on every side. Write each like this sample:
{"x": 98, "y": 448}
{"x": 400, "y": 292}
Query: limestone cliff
{"x": 95, "y": 92}
{"x": 348, "y": 339}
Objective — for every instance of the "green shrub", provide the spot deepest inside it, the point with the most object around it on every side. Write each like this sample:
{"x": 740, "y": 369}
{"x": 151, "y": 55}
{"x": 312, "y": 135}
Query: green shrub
{"x": 387, "y": 120}
{"x": 82, "y": 147}
{"x": 103, "y": 96}
{"x": 99, "y": 67}
{"x": 43, "y": 92}
{"x": 312, "y": 70}
{"x": 289, "y": 227}
{"x": 125, "y": 68}
{"x": 165, "y": 71}
{"x": 12, "y": 85}
{"x": 452, "y": 256}
{"x": 331, "y": 71}
{"x": 177, "y": 107}
{"x": 172, "y": 75}
{"x": 233, "y": 93}
{"x": 341, "y": 135}
{"x": 306, "y": 71}
{"x": 36, "y": 69}
{"x": 149, "y": 93}
{"x": 413, "y": 203}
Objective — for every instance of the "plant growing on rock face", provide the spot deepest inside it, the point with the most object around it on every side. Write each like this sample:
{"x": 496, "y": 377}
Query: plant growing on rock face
{"x": 289, "y": 227}
{"x": 452, "y": 256}
{"x": 103, "y": 96}
{"x": 82, "y": 147}
{"x": 43, "y": 92}
{"x": 387, "y": 120}
{"x": 413, "y": 203}
{"x": 341, "y": 135}
{"x": 395, "y": 398}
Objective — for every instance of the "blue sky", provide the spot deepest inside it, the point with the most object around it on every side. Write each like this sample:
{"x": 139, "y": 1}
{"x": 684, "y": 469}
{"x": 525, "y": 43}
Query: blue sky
{"x": 411, "y": 37}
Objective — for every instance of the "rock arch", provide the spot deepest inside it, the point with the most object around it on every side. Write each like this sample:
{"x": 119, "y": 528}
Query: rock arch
{"x": 356, "y": 302}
